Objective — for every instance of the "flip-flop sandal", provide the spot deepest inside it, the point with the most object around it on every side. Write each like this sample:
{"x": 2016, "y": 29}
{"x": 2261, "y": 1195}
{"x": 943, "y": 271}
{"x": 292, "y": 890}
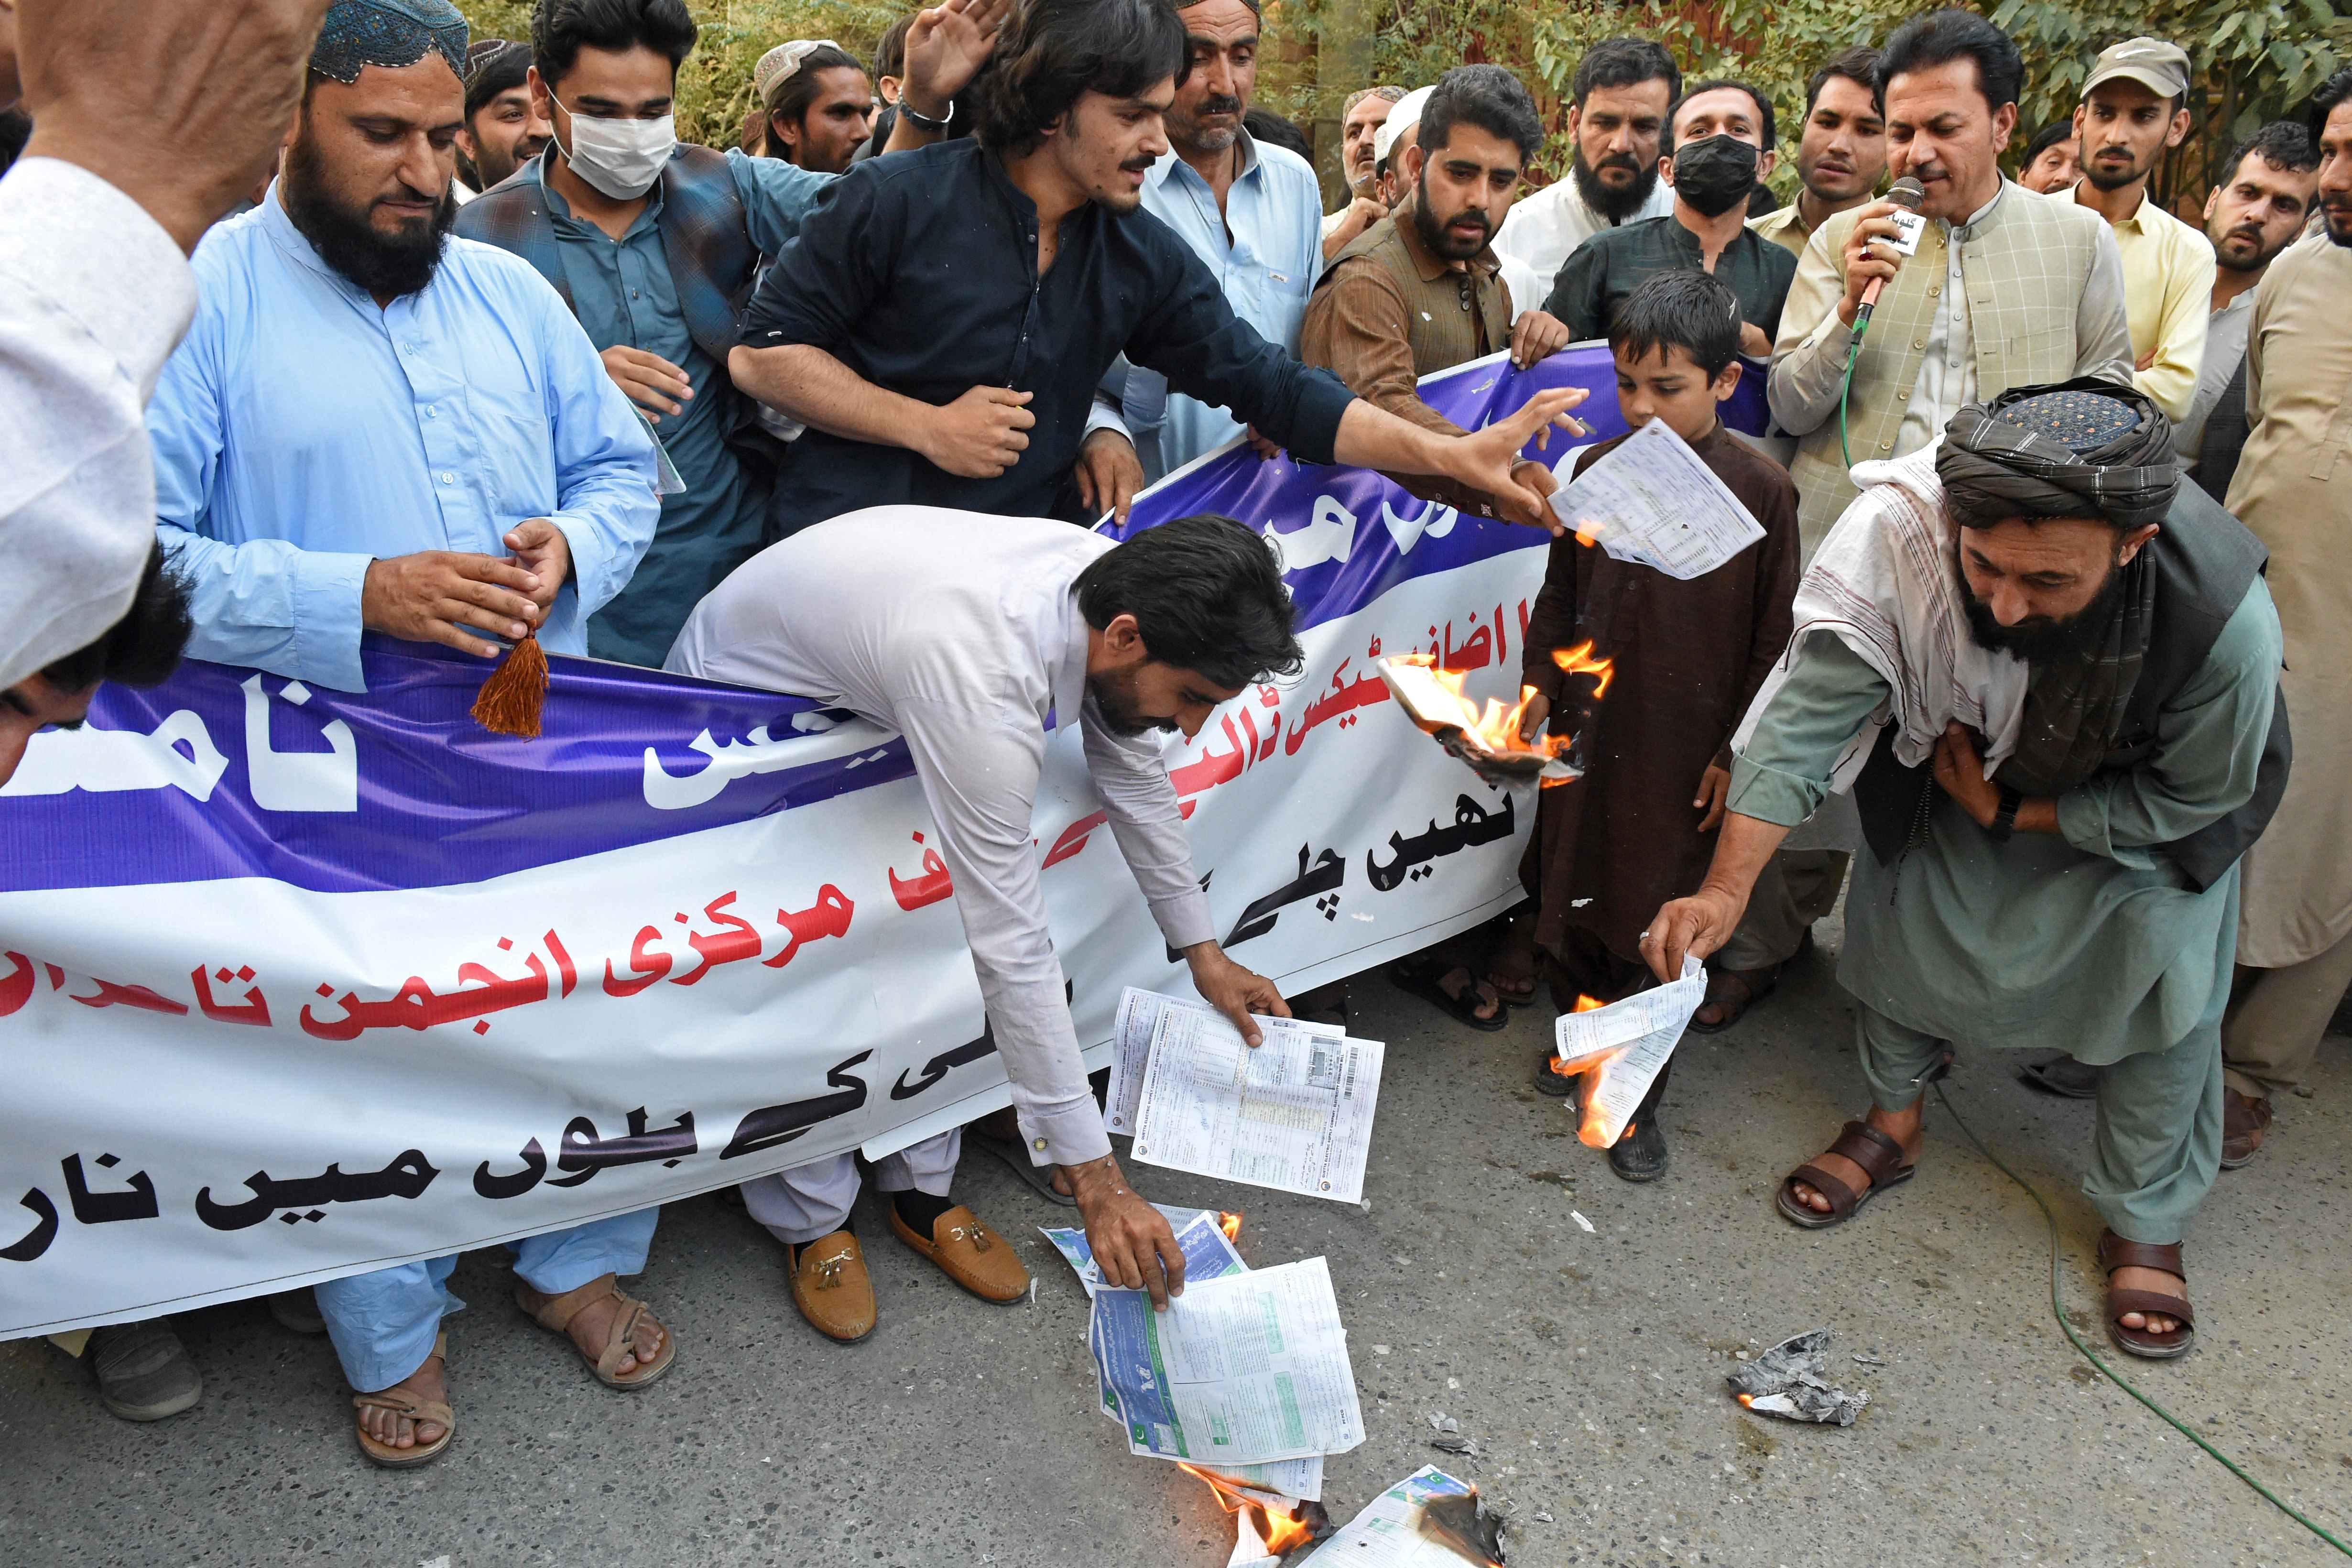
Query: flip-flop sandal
{"x": 418, "y": 1410}
{"x": 556, "y": 1314}
{"x": 2116, "y": 1253}
{"x": 1513, "y": 996}
{"x": 1427, "y": 978}
{"x": 1758, "y": 983}
{"x": 1039, "y": 1177}
{"x": 1881, "y": 1159}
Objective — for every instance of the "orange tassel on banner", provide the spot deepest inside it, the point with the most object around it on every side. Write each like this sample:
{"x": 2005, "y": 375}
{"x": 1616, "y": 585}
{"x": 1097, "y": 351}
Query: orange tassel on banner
{"x": 513, "y": 697}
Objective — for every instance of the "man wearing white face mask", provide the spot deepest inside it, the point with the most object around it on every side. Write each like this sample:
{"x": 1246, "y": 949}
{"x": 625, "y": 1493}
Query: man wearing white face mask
{"x": 655, "y": 247}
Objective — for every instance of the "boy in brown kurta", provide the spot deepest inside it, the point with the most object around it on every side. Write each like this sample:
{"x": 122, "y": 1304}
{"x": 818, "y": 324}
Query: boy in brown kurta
{"x": 1639, "y": 827}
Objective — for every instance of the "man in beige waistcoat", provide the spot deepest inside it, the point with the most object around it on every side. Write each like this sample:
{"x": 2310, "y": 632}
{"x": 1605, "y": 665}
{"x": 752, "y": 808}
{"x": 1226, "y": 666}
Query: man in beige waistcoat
{"x": 2007, "y": 288}
{"x": 2293, "y": 489}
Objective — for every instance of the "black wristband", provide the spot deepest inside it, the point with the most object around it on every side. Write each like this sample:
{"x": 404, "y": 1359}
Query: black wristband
{"x": 922, "y": 121}
{"x": 2004, "y": 821}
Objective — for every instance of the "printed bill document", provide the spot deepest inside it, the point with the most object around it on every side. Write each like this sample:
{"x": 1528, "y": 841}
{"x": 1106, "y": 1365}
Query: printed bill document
{"x": 1247, "y": 1369}
{"x": 1138, "y": 1014}
{"x": 1208, "y": 1254}
{"x": 1625, "y": 1045}
{"x": 1294, "y": 1113}
{"x": 1654, "y": 502}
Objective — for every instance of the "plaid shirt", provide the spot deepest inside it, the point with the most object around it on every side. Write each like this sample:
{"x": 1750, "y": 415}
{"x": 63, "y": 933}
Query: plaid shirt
{"x": 704, "y": 234}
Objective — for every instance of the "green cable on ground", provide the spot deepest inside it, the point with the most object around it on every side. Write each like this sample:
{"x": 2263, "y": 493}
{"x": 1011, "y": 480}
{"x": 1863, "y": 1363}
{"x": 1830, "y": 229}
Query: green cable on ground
{"x": 2057, "y": 1312}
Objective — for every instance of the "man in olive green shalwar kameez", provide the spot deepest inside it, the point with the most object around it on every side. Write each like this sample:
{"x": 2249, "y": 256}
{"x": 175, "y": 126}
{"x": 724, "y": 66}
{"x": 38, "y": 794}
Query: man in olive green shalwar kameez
{"x": 2035, "y": 589}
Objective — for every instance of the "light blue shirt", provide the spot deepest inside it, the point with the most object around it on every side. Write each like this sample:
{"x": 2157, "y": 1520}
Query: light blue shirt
{"x": 1266, "y": 249}
{"x": 300, "y": 432}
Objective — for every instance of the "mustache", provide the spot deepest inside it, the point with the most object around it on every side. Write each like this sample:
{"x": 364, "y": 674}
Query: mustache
{"x": 1620, "y": 161}
{"x": 1220, "y": 103}
{"x": 1137, "y": 165}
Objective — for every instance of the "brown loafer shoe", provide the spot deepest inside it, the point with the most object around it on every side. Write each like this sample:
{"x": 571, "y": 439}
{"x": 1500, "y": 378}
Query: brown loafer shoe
{"x": 969, "y": 1253}
{"x": 2244, "y": 1119}
{"x": 831, "y": 1286}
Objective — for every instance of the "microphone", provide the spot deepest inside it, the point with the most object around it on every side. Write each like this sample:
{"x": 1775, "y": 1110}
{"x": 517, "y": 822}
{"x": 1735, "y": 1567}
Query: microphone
{"x": 1909, "y": 195}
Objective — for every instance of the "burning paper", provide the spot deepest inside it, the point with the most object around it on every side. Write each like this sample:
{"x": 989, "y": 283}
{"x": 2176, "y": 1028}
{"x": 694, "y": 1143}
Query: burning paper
{"x": 1486, "y": 738}
{"x": 1267, "y": 1524}
{"x": 1294, "y": 1113}
{"x": 1243, "y": 1369}
{"x": 1398, "y": 1529}
{"x": 1653, "y": 502}
{"x": 1622, "y": 1046}
{"x": 1792, "y": 1381}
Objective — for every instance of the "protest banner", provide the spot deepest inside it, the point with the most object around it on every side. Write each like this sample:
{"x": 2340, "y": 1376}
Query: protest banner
{"x": 295, "y": 983}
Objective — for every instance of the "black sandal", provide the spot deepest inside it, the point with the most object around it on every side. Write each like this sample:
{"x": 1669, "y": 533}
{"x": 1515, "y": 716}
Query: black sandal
{"x": 1426, "y": 977}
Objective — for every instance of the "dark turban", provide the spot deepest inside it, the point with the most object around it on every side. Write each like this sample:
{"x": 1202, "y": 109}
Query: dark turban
{"x": 390, "y": 33}
{"x": 2081, "y": 448}
{"x": 494, "y": 66}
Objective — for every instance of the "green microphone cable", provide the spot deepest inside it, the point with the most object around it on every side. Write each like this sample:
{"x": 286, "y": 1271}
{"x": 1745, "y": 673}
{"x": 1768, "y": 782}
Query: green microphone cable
{"x": 2057, "y": 1312}
{"x": 1846, "y": 392}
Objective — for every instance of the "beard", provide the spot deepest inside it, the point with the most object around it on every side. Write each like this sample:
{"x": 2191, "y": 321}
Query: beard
{"x": 1189, "y": 131}
{"x": 1613, "y": 204}
{"x": 496, "y": 167}
{"x": 2337, "y": 223}
{"x": 2043, "y": 640}
{"x": 393, "y": 265}
{"x": 1121, "y": 711}
{"x": 2107, "y": 176}
{"x": 1439, "y": 236}
{"x": 2252, "y": 261}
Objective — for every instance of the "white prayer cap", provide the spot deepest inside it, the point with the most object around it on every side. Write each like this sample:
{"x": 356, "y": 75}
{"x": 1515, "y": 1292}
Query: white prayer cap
{"x": 1401, "y": 119}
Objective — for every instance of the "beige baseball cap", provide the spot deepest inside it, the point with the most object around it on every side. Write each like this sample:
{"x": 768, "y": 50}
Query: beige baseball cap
{"x": 1401, "y": 119}
{"x": 2160, "y": 66}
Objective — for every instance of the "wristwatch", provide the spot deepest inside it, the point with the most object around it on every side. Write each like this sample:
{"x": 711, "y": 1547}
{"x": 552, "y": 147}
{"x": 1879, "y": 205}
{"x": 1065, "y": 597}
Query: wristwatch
{"x": 2004, "y": 821}
{"x": 922, "y": 121}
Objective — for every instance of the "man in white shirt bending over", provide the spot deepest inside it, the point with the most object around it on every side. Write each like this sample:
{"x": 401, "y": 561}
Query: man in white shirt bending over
{"x": 969, "y": 636}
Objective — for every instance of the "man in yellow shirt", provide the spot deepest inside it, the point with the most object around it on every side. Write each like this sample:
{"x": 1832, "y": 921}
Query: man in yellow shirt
{"x": 2132, "y": 111}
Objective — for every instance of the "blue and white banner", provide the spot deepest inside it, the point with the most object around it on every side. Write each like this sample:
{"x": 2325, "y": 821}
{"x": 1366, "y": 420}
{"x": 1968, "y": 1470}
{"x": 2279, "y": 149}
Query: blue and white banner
{"x": 295, "y": 983}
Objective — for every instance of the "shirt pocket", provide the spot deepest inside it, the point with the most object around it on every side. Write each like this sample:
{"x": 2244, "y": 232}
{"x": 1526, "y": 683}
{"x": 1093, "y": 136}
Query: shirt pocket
{"x": 2339, "y": 436}
{"x": 2051, "y": 346}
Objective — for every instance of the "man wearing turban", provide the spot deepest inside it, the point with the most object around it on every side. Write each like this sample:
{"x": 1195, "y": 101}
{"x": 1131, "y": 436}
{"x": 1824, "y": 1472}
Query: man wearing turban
{"x": 2048, "y": 672}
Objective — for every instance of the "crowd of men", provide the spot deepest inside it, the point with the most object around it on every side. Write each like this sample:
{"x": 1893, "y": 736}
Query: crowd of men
{"x": 486, "y": 353}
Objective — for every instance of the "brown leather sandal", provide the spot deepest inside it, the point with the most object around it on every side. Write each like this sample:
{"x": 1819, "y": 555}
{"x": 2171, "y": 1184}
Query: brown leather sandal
{"x": 1881, "y": 1159}
{"x": 2116, "y": 1253}
{"x": 418, "y": 1410}
{"x": 556, "y": 1314}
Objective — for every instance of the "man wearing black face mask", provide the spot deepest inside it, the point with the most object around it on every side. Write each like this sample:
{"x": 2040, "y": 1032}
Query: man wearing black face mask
{"x": 1718, "y": 143}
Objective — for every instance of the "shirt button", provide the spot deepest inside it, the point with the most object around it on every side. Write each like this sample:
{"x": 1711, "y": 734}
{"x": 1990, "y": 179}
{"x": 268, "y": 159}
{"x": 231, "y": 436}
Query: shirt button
{"x": 1934, "y": 290}
{"x": 1904, "y": 396}
{"x": 449, "y": 478}
{"x": 1918, "y": 342}
{"x": 1040, "y": 1144}
{"x": 1887, "y": 446}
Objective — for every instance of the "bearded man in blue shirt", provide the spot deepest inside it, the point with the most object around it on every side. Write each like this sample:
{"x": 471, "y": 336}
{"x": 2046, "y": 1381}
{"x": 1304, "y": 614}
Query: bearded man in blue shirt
{"x": 374, "y": 426}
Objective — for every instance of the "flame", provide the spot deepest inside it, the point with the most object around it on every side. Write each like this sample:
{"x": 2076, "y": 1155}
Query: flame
{"x": 1495, "y": 725}
{"x": 1561, "y": 1065}
{"x": 1281, "y": 1530}
{"x": 1586, "y": 540}
{"x": 1230, "y": 1222}
{"x": 1579, "y": 660}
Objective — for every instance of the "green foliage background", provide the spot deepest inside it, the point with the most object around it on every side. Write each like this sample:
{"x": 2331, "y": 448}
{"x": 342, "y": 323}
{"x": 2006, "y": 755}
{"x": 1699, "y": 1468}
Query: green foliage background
{"x": 2257, "y": 59}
